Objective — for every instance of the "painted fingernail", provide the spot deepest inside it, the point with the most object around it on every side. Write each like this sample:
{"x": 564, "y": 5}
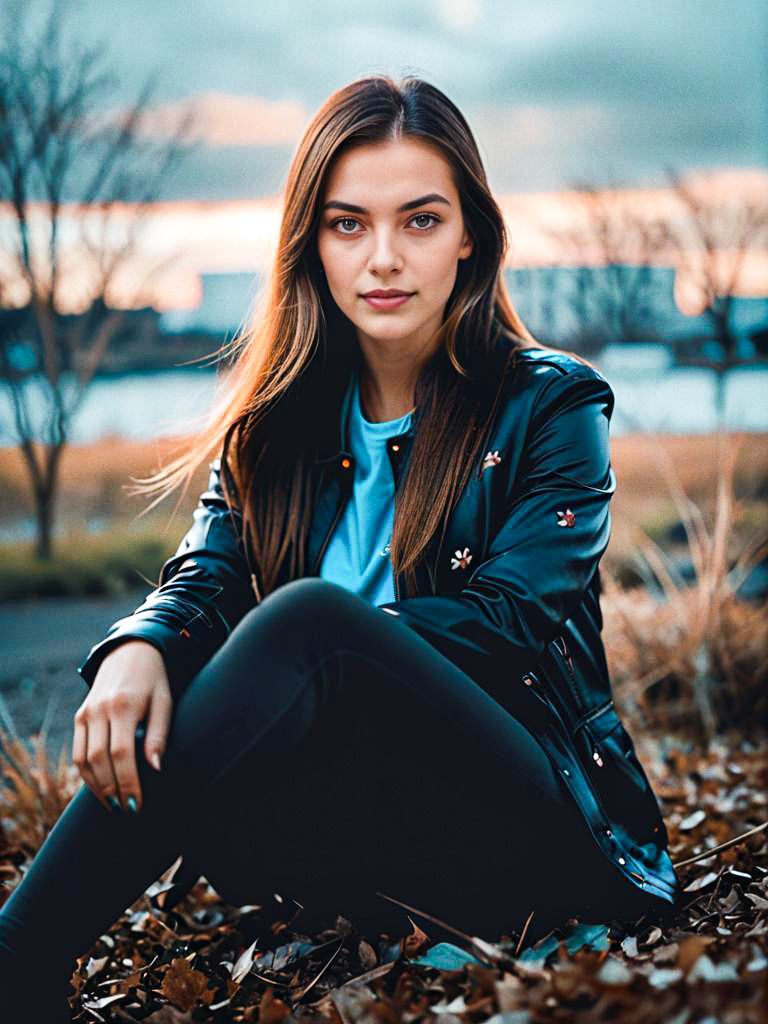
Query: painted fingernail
{"x": 131, "y": 801}
{"x": 114, "y": 803}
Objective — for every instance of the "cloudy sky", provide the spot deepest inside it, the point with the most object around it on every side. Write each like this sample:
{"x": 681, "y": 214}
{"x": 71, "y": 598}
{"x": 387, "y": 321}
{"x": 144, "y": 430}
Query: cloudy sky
{"x": 554, "y": 89}
{"x": 558, "y": 92}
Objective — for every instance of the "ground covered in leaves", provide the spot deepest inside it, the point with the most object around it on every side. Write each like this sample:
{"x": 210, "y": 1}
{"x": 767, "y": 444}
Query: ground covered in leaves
{"x": 205, "y": 960}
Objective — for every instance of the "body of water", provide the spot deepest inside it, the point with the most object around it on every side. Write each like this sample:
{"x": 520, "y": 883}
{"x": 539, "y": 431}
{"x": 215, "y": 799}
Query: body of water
{"x": 651, "y": 396}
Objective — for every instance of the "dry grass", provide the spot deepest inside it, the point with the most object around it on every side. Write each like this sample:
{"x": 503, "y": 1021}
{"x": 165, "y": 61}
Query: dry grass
{"x": 689, "y": 463}
{"x": 34, "y": 792}
{"x": 93, "y": 478}
{"x": 694, "y": 656}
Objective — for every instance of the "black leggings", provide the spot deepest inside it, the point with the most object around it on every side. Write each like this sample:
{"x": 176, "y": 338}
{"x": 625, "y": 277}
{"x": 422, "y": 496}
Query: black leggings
{"x": 352, "y": 758}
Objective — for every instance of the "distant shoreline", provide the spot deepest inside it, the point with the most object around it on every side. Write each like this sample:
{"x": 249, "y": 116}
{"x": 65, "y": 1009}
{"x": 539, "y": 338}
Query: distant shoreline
{"x": 651, "y": 396}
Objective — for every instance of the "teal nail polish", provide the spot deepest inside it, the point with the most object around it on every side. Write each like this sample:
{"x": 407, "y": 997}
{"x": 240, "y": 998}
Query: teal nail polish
{"x": 114, "y": 803}
{"x": 131, "y": 801}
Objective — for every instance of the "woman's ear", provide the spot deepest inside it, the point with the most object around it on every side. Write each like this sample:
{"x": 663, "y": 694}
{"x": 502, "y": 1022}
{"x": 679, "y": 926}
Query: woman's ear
{"x": 466, "y": 246}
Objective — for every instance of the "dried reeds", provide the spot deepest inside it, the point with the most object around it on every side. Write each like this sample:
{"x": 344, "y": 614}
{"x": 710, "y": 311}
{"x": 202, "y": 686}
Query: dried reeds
{"x": 692, "y": 655}
{"x": 33, "y": 791}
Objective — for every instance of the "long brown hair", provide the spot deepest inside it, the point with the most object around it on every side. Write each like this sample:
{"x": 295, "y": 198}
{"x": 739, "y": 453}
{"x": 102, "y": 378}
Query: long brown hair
{"x": 293, "y": 359}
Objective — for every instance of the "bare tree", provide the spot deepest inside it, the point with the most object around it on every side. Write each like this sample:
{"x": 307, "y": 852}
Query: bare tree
{"x": 612, "y": 246}
{"x": 77, "y": 185}
{"x": 711, "y": 239}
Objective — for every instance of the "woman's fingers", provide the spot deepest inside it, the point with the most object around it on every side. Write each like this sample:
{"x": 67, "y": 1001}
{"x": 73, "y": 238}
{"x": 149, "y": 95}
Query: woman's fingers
{"x": 158, "y": 724}
{"x": 80, "y": 757}
{"x": 79, "y": 747}
{"x": 122, "y": 750}
{"x": 98, "y": 757}
{"x": 78, "y": 742}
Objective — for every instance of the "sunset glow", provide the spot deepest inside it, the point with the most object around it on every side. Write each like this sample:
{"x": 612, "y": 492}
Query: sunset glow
{"x": 184, "y": 239}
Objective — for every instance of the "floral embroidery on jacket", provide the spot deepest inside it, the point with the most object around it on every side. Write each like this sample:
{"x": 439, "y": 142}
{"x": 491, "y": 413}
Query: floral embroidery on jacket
{"x": 462, "y": 559}
{"x": 491, "y": 459}
{"x": 566, "y": 518}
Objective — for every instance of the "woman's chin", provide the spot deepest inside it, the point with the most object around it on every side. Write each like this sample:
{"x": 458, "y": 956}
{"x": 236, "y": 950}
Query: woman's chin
{"x": 388, "y": 329}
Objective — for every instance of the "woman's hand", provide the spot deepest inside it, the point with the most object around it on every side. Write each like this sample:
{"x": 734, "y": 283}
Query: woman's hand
{"x": 131, "y": 685}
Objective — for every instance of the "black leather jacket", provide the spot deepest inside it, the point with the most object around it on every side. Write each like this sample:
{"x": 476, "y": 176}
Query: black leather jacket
{"x": 510, "y": 594}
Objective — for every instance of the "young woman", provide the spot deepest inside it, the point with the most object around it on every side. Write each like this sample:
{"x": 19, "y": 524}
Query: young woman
{"x": 374, "y": 664}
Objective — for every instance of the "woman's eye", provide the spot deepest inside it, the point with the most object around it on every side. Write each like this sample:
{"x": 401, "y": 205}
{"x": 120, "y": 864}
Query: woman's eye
{"x": 430, "y": 218}
{"x": 344, "y": 223}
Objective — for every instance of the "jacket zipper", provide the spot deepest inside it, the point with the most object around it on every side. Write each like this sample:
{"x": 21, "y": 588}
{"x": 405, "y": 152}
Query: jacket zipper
{"x": 565, "y": 655}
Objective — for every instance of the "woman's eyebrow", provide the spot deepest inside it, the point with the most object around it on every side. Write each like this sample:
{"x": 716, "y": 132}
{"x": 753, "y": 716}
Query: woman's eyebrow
{"x": 433, "y": 197}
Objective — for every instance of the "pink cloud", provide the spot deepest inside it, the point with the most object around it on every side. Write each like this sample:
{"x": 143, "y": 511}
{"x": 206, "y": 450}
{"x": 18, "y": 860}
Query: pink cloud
{"x": 224, "y": 119}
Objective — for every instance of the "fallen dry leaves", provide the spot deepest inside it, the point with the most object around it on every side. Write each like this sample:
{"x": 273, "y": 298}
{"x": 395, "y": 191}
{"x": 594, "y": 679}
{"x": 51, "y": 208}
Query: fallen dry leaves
{"x": 205, "y": 960}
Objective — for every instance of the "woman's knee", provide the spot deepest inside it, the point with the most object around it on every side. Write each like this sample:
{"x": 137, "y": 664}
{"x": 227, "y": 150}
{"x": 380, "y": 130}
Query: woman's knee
{"x": 303, "y": 607}
{"x": 309, "y": 593}
{"x": 298, "y": 626}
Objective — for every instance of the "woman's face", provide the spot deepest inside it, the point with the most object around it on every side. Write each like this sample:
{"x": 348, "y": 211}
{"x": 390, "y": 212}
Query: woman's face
{"x": 391, "y": 221}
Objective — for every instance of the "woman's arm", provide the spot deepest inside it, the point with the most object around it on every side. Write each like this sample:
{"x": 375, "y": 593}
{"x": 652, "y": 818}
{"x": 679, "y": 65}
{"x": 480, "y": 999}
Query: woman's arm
{"x": 536, "y": 571}
{"x": 204, "y": 590}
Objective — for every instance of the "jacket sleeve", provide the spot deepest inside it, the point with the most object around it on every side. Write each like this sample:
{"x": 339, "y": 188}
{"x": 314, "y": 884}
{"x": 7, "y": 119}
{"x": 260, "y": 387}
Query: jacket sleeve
{"x": 555, "y": 529}
{"x": 204, "y": 590}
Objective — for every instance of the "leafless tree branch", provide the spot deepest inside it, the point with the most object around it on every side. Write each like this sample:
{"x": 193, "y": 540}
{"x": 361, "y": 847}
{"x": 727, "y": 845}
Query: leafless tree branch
{"x": 64, "y": 155}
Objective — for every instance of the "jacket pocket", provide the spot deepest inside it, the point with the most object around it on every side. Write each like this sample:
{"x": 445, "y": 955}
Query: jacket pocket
{"x": 618, "y": 776}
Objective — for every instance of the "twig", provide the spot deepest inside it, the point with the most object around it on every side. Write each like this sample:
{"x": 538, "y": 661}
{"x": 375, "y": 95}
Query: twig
{"x": 491, "y": 953}
{"x": 323, "y": 969}
{"x": 525, "y": 929}
{"x": 375, "y": 972}
{"x": 723, "y": 846}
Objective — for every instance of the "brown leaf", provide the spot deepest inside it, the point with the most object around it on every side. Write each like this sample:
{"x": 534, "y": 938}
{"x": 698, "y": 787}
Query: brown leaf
{"x": 690, "y": 951}
{"x": 413, "y": 944}
{"x": 368, "y": 958}
{"x": 272, "y": 1009}
{"x": 183, "y": 985}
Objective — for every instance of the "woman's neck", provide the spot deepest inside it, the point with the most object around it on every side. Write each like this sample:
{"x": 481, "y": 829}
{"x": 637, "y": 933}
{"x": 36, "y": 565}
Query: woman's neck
{"x": 379, "y": 404}
{"x": 388, "y": 374}
{"x": 388, "y": 379}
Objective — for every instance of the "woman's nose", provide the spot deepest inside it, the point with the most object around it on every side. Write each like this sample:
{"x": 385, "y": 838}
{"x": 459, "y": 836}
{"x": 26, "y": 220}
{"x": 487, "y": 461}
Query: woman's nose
{"x": 384, "y": 257}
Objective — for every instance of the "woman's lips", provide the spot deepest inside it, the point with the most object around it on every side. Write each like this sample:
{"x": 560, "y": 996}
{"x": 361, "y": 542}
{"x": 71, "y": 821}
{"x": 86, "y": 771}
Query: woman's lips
{"x": 386, "y": 302}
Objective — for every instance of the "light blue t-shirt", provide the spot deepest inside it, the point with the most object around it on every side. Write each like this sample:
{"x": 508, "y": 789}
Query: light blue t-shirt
{"x": 358, "y": 555}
